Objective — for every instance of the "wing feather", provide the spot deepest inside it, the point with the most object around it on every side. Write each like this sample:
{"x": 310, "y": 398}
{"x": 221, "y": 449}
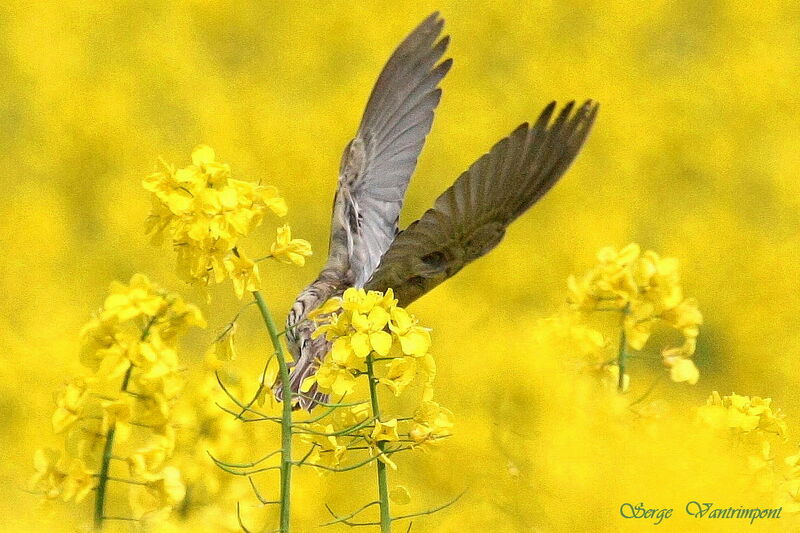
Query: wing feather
{"x": 378, "y": 163}
{"x": 469, "y": 219}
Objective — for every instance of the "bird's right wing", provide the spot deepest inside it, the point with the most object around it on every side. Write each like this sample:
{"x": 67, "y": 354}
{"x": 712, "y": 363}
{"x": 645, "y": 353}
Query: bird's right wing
{"x": 470, "y": 218}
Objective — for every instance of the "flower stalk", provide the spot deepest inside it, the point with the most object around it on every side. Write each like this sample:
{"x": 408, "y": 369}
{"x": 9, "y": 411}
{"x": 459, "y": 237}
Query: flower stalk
{"x": 108, "y": 447}
{"x": 286, "y": 418}
{"x": 383, "y": 487}
{"x": 105, "y": 466}
{"x": 622, "y": 357}
{"x": 645, "y": 288}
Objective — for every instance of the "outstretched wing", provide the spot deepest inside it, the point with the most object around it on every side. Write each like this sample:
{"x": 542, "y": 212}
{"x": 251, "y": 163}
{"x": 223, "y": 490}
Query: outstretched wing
{"x": 470, "y": 218}
{"x": 377, "y": 164}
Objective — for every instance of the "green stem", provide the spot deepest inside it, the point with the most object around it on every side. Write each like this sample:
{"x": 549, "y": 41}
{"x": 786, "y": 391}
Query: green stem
{"x": 622, "y": 357}
{"x": 105, "y": 466}
{"x": 286, "y": 419}
{"x": 383, "y": 486}
{"x": 108, "y": 448}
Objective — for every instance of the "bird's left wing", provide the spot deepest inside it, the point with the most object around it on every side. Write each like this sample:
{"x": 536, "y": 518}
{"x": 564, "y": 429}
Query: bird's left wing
{"x": 377, "y": 164}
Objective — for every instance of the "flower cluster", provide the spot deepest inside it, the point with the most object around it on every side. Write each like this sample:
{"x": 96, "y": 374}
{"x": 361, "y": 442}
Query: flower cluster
{"x": 205, "y": 212}
{"x": 744, "y": 416}
{"x": 117, "y": 419}
{"x": 645, "y": 288}
{"x": 362, "y": 324}
{"x": 371, "y": 336}
{"x": 61, "y": 476}
{"x": 758, "y": 432}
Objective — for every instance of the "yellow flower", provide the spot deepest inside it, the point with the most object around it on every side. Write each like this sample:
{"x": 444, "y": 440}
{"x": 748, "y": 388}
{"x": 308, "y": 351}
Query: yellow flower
{"x": 243, "y": 273}
{"x": 399, "y": 374}
{"x": 615, "y": 272}
{"x": 369, "y": 332}
{"x": 414, "y": 340}
{"x": 79, "y": 483}
{"x": 224, "y": 348}
{"x": 170, "y": 487}
{"x": 136, "y": 334}
{"x": 97, "y": 337}
{"x": 269, "y": 196}
{"x": 116, "y": 360}
{"x": 385, "y": 431}
{"x": 343, "y": 353}
{"x": 681, "y": 369}
{"x": 431, "y": 421}
{"x": 158, "y": 495}
{"x": 203, "y": 155}
{"x": 645, "y": 289}
{"x": 153, "y": 357}
{"x": 331, "y": 377}
{"x": 182, "y": 317}
{"x": 50, "y": 474}
{"x": 153, "y": 408}
{"x": 205, "y": 212}
{"x": 628, "y": 277}
{"x": 327, "y": 449}
{"x": 663, "y": 283}
{"x": 351, "y": 416}
{"x": 333, "y": 325}
{"x": 364, "y": 328}
{"x": 70, "y": 404}
{"x": 638, "y": 324}
{"x": 363, "y": 323}
{"x": 85, "y": 440}
{"x": 288, "y": 250}
{"x": 129, "y": 301}
{"x": 58, "y": 476}
{"x": 364, "y": 301}
{"x": 147, "y": 462}
{"x": 685, "y": 317}
{"x": 743, "y": 414}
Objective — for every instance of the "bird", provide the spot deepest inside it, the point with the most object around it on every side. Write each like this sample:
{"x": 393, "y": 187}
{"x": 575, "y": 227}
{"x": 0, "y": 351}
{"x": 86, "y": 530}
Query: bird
{"x": 367, "y": 249}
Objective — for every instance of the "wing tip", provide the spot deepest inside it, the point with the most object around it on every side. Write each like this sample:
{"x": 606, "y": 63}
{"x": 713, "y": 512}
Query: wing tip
{"x": 585, "y": 113}
{"x": 436, "y": 15}
{"x": 434, "y": 20}
{"x": 445, "y": 66}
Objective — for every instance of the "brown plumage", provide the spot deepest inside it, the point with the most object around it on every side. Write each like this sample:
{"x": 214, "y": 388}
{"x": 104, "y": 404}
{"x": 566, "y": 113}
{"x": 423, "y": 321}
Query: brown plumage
{"x": 468, "y": 219}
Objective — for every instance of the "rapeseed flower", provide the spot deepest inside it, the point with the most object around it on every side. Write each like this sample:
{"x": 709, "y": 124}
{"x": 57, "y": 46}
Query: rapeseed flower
{"x": 644, "y": 288}
{"x": 205, "y": 212}
{"x": 123, "y": 405}
{"x": 288, "y": 250}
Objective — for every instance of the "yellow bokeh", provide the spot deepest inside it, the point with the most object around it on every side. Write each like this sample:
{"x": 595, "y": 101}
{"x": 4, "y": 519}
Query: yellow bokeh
{"x": 693, "y": 155}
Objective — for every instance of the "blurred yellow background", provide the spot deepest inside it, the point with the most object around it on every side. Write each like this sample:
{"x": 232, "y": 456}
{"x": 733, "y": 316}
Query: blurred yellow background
{"x": 693, "y": 155}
